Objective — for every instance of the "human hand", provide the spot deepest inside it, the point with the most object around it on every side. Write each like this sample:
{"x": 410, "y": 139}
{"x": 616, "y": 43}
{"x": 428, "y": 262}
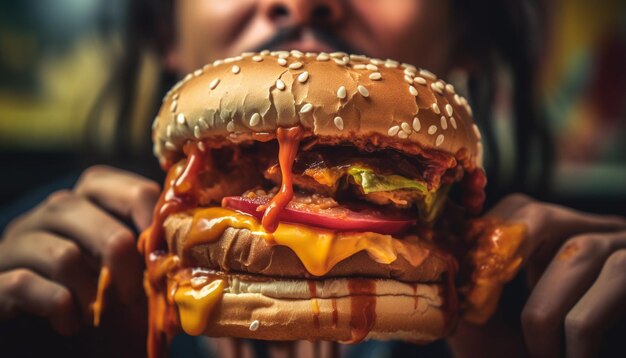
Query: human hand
{"x": 50, "y": 256}
{"x": 576, "y": 271}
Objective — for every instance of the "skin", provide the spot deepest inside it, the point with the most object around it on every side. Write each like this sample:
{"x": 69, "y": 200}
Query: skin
{"x": 50, "y": 256}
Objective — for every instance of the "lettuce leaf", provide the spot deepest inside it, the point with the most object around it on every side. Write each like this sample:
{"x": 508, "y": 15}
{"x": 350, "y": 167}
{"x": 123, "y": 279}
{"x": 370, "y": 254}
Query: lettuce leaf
{"x": 372, "y": 182}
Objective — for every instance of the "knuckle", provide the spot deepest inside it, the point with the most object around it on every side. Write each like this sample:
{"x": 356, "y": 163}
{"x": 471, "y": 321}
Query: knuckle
{"x": 588, "y": 245}
{"x": 59, "y": 200}
{"x": 17, "y": 281}
{"x": 62, "y": 300}
{"x": 617, "y": 261}
{"x": 518, "y": 198}
{"x": 576, "y": 327}
{"x": 90, "y": 173}
{"x": 533, "y": 318}
{"x": 66, "y": 256}
{"x": 119, "y": 243}
{"x": 144, "y": 191}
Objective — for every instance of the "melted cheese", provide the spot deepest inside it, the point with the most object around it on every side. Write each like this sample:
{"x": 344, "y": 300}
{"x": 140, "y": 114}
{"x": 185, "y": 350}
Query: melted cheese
{"x": 318, "y": 249}
{"x": 196, "y": 304}
{"x": 104, "y": 280}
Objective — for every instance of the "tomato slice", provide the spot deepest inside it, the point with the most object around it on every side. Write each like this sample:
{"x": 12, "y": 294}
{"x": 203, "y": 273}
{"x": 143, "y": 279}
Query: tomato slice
{"x": 336, "y": 218}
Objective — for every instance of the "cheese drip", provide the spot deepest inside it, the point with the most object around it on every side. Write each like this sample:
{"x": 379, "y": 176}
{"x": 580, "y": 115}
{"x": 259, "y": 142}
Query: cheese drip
{"x": 196, "y": 304}
{"x": 318, "y": 249}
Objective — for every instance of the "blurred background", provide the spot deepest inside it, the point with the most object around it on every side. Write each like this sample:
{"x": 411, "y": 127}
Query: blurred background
{"x": 57, "y": 57}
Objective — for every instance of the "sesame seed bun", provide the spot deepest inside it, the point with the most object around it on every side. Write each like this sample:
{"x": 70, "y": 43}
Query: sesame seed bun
{"x": 332, "y": 96}
{"x": 284, "y": 310}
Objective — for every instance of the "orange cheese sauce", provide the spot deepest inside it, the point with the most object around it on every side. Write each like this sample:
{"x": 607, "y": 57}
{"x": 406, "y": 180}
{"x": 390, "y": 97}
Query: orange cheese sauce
{"x": 318, "y": 249}
{"x": 104, "y": 280}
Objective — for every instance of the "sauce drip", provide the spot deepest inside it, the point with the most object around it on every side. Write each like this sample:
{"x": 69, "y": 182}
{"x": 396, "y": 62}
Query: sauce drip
{"x": 104, "y": 280}
{"x": 288, "y": 142}
{"x": 362, "y": 308}
{"x": 314, "y": 304}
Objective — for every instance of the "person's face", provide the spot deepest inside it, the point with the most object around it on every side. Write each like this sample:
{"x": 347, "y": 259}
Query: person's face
{"x": 413, "y": 31}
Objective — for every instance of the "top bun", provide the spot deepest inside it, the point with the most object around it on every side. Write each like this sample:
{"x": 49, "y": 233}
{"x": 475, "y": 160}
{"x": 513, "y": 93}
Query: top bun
{"x": 332, "y": 96}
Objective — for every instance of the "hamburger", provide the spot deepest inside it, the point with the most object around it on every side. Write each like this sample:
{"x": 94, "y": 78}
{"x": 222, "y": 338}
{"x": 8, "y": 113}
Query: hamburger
{"x": 320, "y": 197}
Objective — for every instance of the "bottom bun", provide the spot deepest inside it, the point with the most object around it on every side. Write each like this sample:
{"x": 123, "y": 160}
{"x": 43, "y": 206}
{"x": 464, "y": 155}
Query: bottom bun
{"x": 341, "y": 311}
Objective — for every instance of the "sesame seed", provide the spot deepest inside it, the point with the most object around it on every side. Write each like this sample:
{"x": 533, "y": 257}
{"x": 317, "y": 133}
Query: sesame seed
{"x": 229, "y": 60}
{"x": 280, "y": 84}
{"x": 338, "y": 123}
{"x": 363, "y": 91}
{"x": 155, "y": 122}
{"x": 393, "y": 131}
{"x": 254, "y": 325}
{"x": 180, "y": 118}
{"x": 168, "y": 130}
{"x": 476, "y": 131}
{"x": 214, "y": 83}
{"x": 265, "y": 52}
{"x": 230, "y": 126}
{"x": 391, "y": 63}
{"x": 375, "y": 76}
{"x": 338, "y": 54}
{"x": 439, "y": 140}
{"x": 435, "y": 108}
{"x": 235, "y": 69}
{"x": 420, "y": 80}
{"x": 282, "y": 54}
{"x": 444, "y": 123}
{"x": 371, "y": 67}
{"x": 428, "y": 74}
{"x": 196, "y": 132}
{"x": 173, "y": 106}
{"x": 450, "y": 88}
{"x": 410, "y": 71}
{"x": 170, "y": 146}
{"x": 449, "y": 110}
{"x": 322, "y": 57}
{"x": 310, "y": 54}
{"x": 432, "y": 129}
{"x": 303, "y": 77}
{"x": 453, "y": 122}
{"x": 403, "y": 134}
{"x": 358, "y": 57}
{"x": 201, "y": 146}
{"x": 297, "y": 53}
{"x": 360, "y": 66}
{"x": 377, "y": 61}
{"x": 295, "y": 65}
{"x": 306, "y": 108}
{"x": 255, "y": 119}
{"x": 282, "y": 62}
{"x": 247, "y": 54}
{"x": 417, "y": 125}
{"x": 408, "y": 79}
{"x": 238, "y": 58}
{"x": 405, "y": 127}
{"x": 176, "y": 96}
{"x": 203, "y": 123}
{"x": 413, "y": 90}
{"x": 457, "y": 99}
{"x": 435, "y": 88}
{"x": 188, "y": 77}
{"x": 217, "y": 62}
{"x": 339, "y": 61}
{"x": 197, "y": 72}
{"x": 257, "y": 58}
{"x": 341, "y": 92}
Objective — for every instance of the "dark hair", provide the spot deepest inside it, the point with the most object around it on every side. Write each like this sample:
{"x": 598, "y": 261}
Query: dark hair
{"x": 504, "y": 34}
{"x": 493, "y": 35}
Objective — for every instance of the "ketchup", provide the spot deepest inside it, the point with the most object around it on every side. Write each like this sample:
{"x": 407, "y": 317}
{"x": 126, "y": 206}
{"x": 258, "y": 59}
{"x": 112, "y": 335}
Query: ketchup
{"x": 288, "y": 142}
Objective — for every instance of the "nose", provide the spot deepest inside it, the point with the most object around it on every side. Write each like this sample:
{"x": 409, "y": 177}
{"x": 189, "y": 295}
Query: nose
{"x": 304, "y": 12}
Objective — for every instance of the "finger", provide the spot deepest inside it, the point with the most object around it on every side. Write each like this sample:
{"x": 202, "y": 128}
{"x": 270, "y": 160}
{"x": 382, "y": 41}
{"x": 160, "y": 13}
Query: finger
{"x": 598, "y": 310}
{"x": 106, "y": 239}
{"x": 55, "y": 258}
{"x": 565, "y": 281}
{"x": 126, "y": 194}
{"x": 24, "y": 291}
{"x": 548, "y": 225}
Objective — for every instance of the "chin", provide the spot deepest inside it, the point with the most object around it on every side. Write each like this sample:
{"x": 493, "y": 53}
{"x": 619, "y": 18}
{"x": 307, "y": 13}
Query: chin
{"x": 320, "y": 197}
